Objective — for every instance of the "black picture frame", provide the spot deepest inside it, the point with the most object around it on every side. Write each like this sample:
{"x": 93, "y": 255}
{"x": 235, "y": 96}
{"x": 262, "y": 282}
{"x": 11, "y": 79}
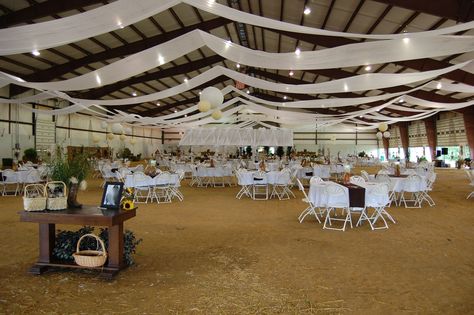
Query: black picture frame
{"x": 111, "y": 195}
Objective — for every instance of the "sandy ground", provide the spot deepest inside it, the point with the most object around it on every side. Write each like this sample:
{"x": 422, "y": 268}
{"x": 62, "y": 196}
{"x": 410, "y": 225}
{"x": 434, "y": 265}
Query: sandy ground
{"x": 215, "y": 254}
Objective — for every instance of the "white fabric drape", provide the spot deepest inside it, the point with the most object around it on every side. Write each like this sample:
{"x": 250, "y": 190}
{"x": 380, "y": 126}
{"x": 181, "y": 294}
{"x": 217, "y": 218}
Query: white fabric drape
{"x": 363, "y": 82}
{"x": 338, "y": 57}
{"x": 121, "y": 13}
{"x": 237, "y": 137}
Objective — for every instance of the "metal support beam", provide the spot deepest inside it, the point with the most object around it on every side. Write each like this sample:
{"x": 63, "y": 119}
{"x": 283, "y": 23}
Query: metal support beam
{"x": 458, "y": 10}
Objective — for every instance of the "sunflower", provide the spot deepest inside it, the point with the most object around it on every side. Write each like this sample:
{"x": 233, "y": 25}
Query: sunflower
{"x": 128, "y": 204}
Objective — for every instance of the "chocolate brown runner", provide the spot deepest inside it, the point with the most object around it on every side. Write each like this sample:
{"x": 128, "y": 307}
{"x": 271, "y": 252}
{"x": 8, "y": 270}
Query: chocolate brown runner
{"x": 356, "y": 195}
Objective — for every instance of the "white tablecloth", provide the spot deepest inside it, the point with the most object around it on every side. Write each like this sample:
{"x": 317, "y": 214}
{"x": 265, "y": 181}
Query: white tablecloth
{"x": 247, "y": 178}
{"x": 322, "y": 171}
{"x": 317, "y": 194}
{"x": 130, "y": 182}
{"x": 319, "y": 198}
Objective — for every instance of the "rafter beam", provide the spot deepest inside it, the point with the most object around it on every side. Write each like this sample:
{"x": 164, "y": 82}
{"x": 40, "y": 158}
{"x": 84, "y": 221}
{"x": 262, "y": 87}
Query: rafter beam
{"x": 458, "y": 10}
{"x": 40, "y": 10}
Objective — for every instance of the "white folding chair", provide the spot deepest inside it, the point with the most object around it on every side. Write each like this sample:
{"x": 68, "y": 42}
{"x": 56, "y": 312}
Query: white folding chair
{"x": 310, "y": 209}
{"x": 412, "y": 184}
{"x": 470, "y": 175}
{"x": 280, "y": 187}
{"x": 160, "y": 189}
{"x": 142, "y": 185}
{"x": 385, "y": 179}
{"x": 357, "y": 180}
{"x": 245, "y": 187}
{"x": 10, "y": 178}
{"x": 378, "y": 198}
{"x": 175, "y": 184}
{"x": 430, "y": 179}
{"x": 260, "y": 186}
{"x": 365, "y": 175}
{"x": 337, "y": 198}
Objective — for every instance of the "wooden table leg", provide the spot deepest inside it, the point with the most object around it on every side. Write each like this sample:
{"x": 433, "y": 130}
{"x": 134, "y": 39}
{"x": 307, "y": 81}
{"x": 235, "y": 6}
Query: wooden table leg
{"x": 47, "y": 236}
{"x": 116, "y": 247}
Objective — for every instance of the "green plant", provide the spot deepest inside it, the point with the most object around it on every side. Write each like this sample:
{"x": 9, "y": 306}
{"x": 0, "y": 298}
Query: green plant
{"x": 362, "y": 154}
{"x": 280, "y": 152}
{"x": 63, "y": 168}
{"x": 126, "y": 154}
{"x": 66, "y": 242}
{"x": 422, "y": 159}
{"x": 248, "y": 150}
{"x": 30, "y": 155}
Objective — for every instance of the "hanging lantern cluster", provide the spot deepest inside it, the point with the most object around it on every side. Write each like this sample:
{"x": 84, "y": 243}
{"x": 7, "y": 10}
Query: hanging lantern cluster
{"x": 383, "y": 131}
{"x": 211, "y": 98}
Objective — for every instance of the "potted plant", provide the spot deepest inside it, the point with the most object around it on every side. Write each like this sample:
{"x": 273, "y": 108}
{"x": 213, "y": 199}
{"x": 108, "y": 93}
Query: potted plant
{"x": 280, "y": 152}
{"x": 30, "y": 155}
{"x": 73, "y": 172}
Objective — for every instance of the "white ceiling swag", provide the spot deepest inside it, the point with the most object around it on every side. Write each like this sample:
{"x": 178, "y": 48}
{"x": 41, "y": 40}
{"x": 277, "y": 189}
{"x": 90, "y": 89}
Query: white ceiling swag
{"x": 121, "y": 13}
{"x": 363, "y": 82}
{"x": 337, "y": 57}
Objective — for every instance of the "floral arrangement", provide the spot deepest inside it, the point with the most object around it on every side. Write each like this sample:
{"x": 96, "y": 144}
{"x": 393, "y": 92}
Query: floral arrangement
{"x": 70, "y": 171}
{"x": 128, "y": 195}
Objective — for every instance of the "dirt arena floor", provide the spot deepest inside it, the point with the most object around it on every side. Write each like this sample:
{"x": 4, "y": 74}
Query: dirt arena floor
{"x": 214, "y": 254}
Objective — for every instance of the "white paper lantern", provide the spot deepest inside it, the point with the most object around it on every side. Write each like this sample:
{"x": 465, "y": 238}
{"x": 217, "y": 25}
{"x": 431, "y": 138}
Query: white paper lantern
{"x": 95, "y": 139}
{"x": 103, "y": 124}
{"x": 386, "y": 134}
{"x": 204, "y": 106}
{"x": 379, "y": 135}
{"x": 383, "y": 126}
{"x": 217, "y": 114}
{"x": 110, "y": 136}
{"x": 213, "y": 96}
{"x": 117, "y": 128}
{"x": 128, "y": 130}
{"x": 123, "y": 137}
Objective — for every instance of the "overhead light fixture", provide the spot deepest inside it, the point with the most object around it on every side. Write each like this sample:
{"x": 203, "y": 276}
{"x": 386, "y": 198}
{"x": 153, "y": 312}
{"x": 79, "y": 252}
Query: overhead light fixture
{"x": 161, "y": 60}
{"x": 406, "y": 40}
{"x": 200, "y": 92}
{"x": 248, "y": 91}
{"x": 439, "y": 86}
{"x": 238, "y": 65}
{"x": 307, "y": 11}
{"x": 346, "y": 88}
{"x": 134, "y": 93}
{"x": 228, "y": 43}
{"x": 186, "y": 115}
{"x": 175, "y": 111}
{"x": 284, "y": 97}
{"x": 97, "y": 78}
{"x": 298, "y": 51}
{"x": 368, "y": 68}
{"x": 291, "y": 73}
{"x": 185, "y": 80}
{"x": 35, "y": 52}
{"x": 158, "y": 104}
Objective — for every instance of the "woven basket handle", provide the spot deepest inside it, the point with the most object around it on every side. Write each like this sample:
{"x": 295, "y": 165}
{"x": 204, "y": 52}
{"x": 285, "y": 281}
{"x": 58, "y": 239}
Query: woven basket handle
{"x": 101, "y": 242}
{"x": 43, "y": 188}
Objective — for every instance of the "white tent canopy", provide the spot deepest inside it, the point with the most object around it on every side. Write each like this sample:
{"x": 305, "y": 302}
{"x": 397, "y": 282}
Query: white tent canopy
{"x": 238, "y": 137}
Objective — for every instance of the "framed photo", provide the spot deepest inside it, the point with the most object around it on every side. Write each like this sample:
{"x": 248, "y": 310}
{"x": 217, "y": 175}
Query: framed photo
{"x": 112, "y": 195}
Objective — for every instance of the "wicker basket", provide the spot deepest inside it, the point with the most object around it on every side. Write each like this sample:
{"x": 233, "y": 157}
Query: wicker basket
{"x": 56, "y": 202}
{"x": 90, "y": 258}
{"x": 34, "y": 197}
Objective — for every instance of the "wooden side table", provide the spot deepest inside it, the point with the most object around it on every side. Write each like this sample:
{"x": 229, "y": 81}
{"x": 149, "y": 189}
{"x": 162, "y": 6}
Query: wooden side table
{"x": 88, "y": 215}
